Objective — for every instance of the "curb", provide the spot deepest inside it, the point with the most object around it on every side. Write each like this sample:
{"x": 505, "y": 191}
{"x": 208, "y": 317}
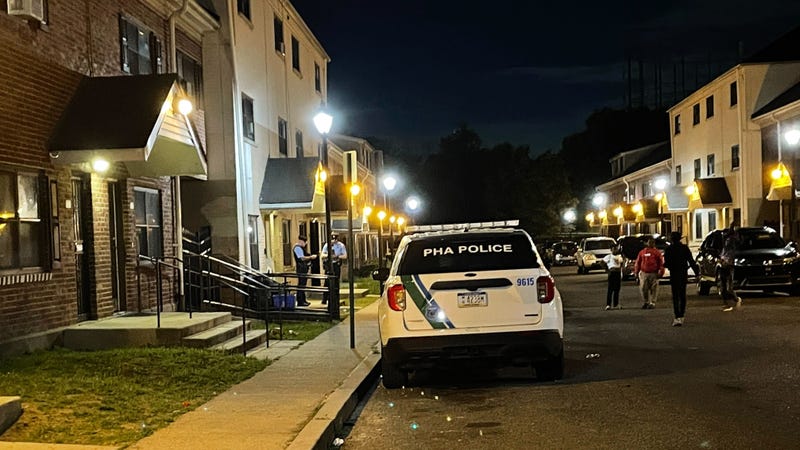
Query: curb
{"x": 321, "y": 430}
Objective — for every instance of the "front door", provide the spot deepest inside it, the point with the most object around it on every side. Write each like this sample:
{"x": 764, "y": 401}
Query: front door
{"x": 80, "y": 221}
{"x": 117, "y": 247}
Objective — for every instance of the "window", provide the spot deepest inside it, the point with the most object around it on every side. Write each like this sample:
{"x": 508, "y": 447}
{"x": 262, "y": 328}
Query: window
{"x": 678, "y": 176}
{"x": 298, "y": 143}
{"x": 248, "y": 120}
{"x": 646, "y": 190}
{"x": 243, "y": 6}
{"x": 709, "y": 106}
{"x": 280, "y": 46}
{"x": 147, "y": 210}
{"x": 287, "y": 243}
{"x": 698, "y": 225}
{"x": 55, "y": 226}
{"x": 317, "y": 78}
{"x": 697, "y": 168}
{"x": 710, "y": 165}
{"x": 23, "y": 243}
{"x": 677, "y": 124}
{"x": 734, "y": 94}
{"x": 632, "y": 194}
{"x": 283, "y": 145}
{"x": 712, "y": 220}
{"x": 191, "y": 78}
{"x": 696, "y": 114}
{"x": 295, "y": 54}
{"x": 140, "y": 50}
{"x": 735, "y": 157}
{"x": 252, "y": 239}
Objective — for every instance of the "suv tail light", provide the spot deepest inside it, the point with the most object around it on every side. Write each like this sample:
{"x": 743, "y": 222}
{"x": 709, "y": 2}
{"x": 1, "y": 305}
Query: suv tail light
{"x": 396, "y": 295}
{"x": 545, "y": 289}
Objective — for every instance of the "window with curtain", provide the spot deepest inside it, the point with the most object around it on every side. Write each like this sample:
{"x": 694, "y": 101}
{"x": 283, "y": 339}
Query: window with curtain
{"x": 23, "y": 241}
{"x": 147, "y": 212}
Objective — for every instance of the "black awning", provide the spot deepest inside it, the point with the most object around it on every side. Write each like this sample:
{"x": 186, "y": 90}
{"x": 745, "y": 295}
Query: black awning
{"x": 650, "y": 209}
{"x": 291, "y": 183}
{"x": 129, "y": 119}
{"x": 713, "y": 191}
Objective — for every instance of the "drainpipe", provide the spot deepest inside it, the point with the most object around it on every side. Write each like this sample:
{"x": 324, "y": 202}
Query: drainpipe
{"x": 627, "y": 199}
{"x": 173, "y": 65}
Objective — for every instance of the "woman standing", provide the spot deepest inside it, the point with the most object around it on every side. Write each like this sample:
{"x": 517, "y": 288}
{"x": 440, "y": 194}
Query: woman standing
{"x": 614, "y": 266}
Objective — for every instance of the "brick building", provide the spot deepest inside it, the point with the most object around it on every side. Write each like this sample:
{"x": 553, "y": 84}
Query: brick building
{"x": 87, "y": 84}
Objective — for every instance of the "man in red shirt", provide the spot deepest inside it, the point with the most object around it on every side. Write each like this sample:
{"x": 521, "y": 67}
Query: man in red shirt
{"x": 649, "y": 268}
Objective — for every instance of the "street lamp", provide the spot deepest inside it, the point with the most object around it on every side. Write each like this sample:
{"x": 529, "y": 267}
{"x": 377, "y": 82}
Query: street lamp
{"x": 392, "y": 220}
{"x": 381, "y": 216}
{"x": 354, "y": 190}
{"x": 323, "y": 122}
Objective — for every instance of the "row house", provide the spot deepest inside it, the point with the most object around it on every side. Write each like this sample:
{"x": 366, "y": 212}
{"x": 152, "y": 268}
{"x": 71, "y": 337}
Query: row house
{"x": 95, "y": 135}
{"x": 265, "y": 79}
{"x": 633, "y": 201}
{"x": 726, "y": 140}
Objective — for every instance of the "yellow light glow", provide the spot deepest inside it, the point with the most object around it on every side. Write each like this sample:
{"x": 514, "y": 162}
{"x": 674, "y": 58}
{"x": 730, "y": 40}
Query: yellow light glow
{"x": 392, "y": 219}
{"x": 602, "y": 214}
{"x": 323, "y": 176}
{"x": 690, "y": 189}
{"x": 618, "y": 211}
{"x": 401, "y": 221}
{"x": 637, "y": 208}
{"x": 185, "y": 106}
{"x": 777, "y": 173}
{"x": 590, "y": 217}
{"x": 367, "y": 211}
{"x": 659, "y": 196}
{"x": 355, "y": 189}
{"x": 381, "y": 215}
{"x": 100, "y": 165}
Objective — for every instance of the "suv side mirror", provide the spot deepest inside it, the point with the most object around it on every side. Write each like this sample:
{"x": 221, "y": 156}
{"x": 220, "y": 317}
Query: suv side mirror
{"x": 381, "y": 274}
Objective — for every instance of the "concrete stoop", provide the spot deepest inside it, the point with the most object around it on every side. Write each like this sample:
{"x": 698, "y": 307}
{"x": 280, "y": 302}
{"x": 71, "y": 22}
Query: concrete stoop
{"x": 10, "y": 410}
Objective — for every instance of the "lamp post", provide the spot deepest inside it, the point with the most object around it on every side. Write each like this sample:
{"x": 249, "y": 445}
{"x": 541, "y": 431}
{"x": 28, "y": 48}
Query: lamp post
{"x": 381, "y": 216}
{"x": 323, "y": 122}
{"x": 389, "y": 183}
{"x": 392, "y": 220}
{"x": 413, "y": 204}
{"x": 353, "y": 191}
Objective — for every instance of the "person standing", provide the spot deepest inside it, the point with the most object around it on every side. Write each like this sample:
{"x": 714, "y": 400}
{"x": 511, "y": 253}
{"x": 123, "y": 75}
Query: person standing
{"x": 730, "y": 243}
{"x": 338, "y": 254}
{"x": 678, "y": 258}
{"x": 301, "y": 260}
{"x": 613, "y": 262}
{"x": 649, "y": 268}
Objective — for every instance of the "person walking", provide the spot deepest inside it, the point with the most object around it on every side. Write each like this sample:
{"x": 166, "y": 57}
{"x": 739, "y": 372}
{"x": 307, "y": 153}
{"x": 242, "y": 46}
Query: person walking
{"x": 649, "y": 268}
{"x": 678, "y": 258}
{"x": 730, "y": 244}
{"x": 338, "y": 254}
{"x": 613, "y": 262}
{"x": 301, "y": 260}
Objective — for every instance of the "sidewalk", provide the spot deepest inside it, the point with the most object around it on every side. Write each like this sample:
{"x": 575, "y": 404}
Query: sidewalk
{"x": 294, "y": 403}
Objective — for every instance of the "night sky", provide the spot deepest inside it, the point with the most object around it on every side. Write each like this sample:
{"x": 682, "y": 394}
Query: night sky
{"x": 526, "y": 72}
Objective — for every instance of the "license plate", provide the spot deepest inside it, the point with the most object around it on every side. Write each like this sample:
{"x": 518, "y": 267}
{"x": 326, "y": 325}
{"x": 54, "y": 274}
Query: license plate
{"x": 470, "y": 299}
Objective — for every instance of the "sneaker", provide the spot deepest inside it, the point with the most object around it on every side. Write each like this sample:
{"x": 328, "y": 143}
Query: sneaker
{"x": 646, "y": 306}
{"x": 727, "y": 309}
{"x": 681, "y": 320}
{"x": 608, "y": 307}
{"x": 651, "y": 306}
{"x": 676, "y": 322}
{"x": 738, "y": 303}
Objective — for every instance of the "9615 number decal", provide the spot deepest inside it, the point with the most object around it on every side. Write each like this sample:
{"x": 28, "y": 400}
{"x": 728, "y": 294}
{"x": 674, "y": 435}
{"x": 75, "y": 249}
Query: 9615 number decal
{"x": 530, "y": 281}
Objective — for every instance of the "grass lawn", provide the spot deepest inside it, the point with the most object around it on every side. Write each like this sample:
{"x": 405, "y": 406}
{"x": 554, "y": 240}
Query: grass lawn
{"x": 113, "y": 397}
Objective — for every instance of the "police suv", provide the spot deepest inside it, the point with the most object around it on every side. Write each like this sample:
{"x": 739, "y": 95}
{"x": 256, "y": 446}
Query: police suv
{"x": 469, "y": 291}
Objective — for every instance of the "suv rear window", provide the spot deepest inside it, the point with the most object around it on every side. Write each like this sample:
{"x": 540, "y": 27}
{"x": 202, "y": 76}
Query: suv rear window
{"x": 468, "y": 253}
{"x": 760, "y": 240}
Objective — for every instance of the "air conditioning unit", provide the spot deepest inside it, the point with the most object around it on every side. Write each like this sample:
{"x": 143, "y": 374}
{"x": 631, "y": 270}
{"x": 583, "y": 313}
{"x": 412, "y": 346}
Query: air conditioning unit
{"x": 27, "y": 9}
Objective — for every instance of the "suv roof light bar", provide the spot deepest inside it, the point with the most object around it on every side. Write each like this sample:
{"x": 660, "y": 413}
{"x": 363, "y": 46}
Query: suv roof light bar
{"x": 462, "y": 226}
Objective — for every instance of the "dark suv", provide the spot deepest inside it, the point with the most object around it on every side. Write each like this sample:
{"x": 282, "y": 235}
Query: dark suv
{"x": 763, "y": 260}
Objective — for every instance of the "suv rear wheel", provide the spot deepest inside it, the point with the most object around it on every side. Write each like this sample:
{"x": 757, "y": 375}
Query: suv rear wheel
{"x": 550, "y": 370}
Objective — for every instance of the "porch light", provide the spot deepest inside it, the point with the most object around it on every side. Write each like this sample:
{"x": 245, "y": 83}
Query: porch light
{"x": 185, "y": 106}
{"x": 355, "y": 189}
{"x": 322, "y": 175}
{"x": 590, "y": 217}
{"x": 658, "y": 197}
{"x": 367, "y": 211}
{"x": 618, "y": 211}
{"x": 637, "y": 208}
{"x": 401, "y": 221}
{"x": 690, "y": 189}
{"x": 100, "y": 165}
{"x": 381, "y": 215}
{"x": 779, "y": 172}
{"x": 602, "y": 214}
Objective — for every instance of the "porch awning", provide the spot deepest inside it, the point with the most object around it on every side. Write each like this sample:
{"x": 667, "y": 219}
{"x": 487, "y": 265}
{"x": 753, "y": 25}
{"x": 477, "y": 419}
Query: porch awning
{"x": 712, "y": 192}
{"x": 129, "y": 119}
{"x": 620, "y": 213}
{"x": 292, "y": 183}
{"x": 650, "y": 212}
{"x": 781, "y": 188}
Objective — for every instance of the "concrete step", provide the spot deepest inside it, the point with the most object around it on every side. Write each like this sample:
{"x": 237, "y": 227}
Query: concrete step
{"x": 10, "y": 410}
{"x": 254, "y": 338}
{"x": 357, "y": 292}
{"x": 217, "y": 335}
{"x": 275, "y": 350}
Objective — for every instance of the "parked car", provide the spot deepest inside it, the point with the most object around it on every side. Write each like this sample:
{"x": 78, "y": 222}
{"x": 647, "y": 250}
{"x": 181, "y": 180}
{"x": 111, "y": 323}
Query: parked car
{"x": 480, "y": 294}
{"x": 763, "y": 261}
{"x": 631, "y": 245}
{"x": 562, "y": 253}
{"x": 591, "y": 252}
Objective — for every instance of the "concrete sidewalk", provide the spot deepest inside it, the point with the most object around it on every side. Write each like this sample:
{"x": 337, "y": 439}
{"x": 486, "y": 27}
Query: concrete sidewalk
{"x": 297, "y": 402}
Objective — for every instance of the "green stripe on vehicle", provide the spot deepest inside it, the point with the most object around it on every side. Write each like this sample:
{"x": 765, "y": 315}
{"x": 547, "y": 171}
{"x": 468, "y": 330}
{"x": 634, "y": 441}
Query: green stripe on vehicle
{"x": 419, "y": 299}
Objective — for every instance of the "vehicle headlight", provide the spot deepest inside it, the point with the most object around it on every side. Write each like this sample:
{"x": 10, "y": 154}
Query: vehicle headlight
{"x": 739, "y": 262}
{"x": 590, "y": 256}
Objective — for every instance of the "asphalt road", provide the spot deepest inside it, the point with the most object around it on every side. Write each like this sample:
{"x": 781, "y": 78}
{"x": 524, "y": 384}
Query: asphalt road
{"x": 725, "y": 380}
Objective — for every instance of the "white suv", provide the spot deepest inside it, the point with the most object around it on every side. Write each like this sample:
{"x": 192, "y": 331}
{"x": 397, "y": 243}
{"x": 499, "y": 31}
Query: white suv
{"x": 591, "y": 252}
{"x": 469, "y": 292}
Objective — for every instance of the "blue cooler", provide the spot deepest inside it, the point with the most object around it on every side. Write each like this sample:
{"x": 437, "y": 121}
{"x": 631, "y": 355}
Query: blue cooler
{"x": 284, "y": 301}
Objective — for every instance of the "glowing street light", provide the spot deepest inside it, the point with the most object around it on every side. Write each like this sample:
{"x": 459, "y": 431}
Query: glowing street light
{"x": 323, "y": 122}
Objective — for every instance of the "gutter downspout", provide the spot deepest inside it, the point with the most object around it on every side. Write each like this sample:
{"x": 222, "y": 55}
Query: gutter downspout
{"x": 173, "y": 65}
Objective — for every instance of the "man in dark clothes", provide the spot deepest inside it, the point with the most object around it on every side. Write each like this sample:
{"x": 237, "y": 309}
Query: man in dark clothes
{"x": 678, "y": 258}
